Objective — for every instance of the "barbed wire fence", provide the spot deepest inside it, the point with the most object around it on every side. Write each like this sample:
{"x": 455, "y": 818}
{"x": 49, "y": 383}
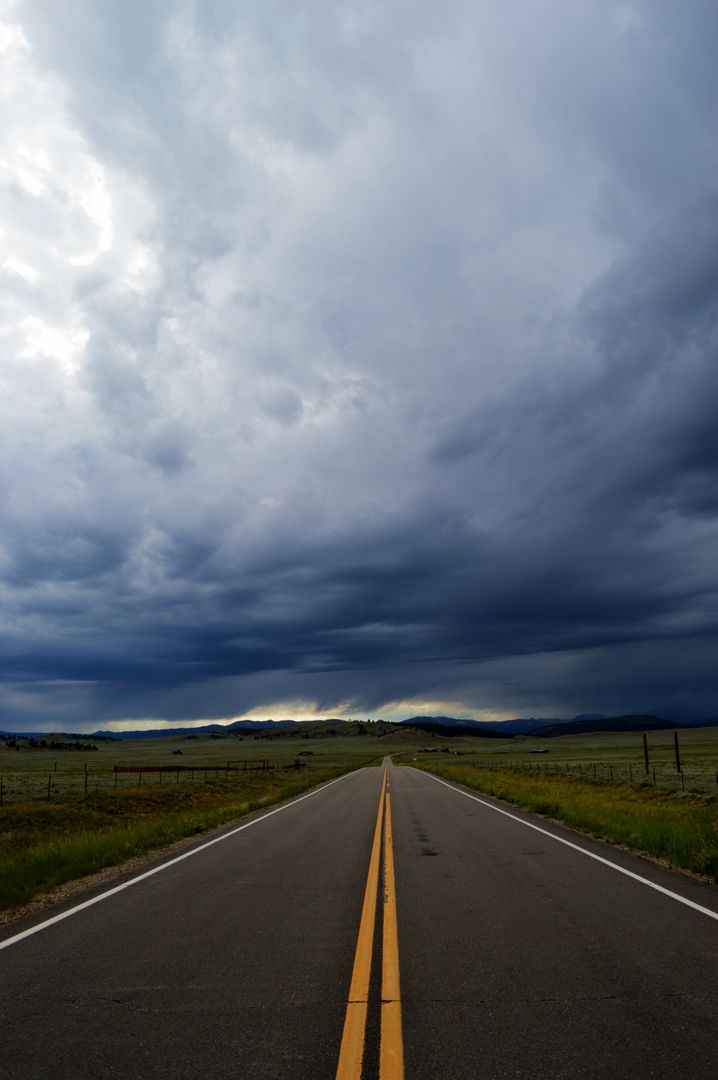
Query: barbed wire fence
{"x": 32, "y": 784}
{"x": 661, "y": 775}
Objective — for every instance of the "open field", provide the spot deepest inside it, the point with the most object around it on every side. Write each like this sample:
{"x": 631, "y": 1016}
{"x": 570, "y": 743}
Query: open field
{"x": 26, "y": 772}
{"x": 603, "y": 756}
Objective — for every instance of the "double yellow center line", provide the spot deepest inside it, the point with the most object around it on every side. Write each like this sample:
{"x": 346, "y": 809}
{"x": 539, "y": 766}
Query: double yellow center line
{"x": 391, "y": 1053}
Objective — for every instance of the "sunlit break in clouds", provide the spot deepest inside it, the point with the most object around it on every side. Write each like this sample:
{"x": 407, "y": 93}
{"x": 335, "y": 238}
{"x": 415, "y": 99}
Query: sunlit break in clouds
{"x": 357, "y": 359}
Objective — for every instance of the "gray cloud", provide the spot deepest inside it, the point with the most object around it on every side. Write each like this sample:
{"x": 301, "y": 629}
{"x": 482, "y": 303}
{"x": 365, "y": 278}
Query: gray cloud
{"x": 358, "y": 357}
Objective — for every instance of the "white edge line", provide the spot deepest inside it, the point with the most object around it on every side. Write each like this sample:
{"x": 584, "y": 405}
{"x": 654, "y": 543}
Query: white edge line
{"x": 164, "y": 866}
{"x": 577, "y": 847}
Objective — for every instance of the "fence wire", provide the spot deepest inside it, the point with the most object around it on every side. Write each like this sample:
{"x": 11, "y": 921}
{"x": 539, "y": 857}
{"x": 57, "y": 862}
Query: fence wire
{"x": 661, "y": 775}
{"x": 29, "y": 785}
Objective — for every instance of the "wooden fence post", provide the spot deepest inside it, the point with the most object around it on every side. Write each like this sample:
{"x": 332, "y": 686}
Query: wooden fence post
{"x": 678, "y": 753}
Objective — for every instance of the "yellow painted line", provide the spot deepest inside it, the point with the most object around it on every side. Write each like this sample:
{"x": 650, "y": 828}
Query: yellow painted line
{"x": 351, "y": 1053}
{"x": 391, "y": 1053}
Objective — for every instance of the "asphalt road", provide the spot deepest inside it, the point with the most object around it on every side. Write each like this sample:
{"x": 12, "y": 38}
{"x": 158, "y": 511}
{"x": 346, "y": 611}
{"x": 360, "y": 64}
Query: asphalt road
{"x": 519, "y": 956}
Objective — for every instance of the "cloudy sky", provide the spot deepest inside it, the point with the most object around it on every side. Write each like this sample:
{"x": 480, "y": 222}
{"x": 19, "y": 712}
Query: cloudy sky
{"x": 357, "y": 359}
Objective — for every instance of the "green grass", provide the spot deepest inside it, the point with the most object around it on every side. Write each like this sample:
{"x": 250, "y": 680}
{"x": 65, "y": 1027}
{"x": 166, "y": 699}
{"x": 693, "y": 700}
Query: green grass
{"x": 681, "y": 830}
{"x": 25, "y": 771}
{"x": 354, "y": 744}
{"x": 43, "y": 845}
{"x": 621, "y": 752}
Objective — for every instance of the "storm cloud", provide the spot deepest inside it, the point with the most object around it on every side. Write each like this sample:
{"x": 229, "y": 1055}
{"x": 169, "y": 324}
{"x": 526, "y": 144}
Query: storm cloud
{"x": 357, "y": 358}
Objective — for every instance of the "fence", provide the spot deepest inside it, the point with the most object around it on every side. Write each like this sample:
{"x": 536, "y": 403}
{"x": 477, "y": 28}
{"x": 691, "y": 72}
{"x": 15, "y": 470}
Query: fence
{"x": 31, "y": 784}
{"x": 662, "y": 775}
{"x": 245, "y": 765}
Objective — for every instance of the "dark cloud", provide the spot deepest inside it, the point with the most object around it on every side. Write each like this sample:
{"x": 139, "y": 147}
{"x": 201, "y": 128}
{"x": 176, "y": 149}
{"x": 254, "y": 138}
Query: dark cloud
{"x": 358, "y": 358}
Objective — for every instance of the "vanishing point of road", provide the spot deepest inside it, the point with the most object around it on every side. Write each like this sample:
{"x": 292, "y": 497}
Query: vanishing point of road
{"x": 387, "y": 924}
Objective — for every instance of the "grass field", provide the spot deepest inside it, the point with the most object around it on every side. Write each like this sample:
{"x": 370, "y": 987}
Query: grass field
{"x": 25, "y": 771}
{"x": 51, "y": 831}
{"x": 617, "y": 756}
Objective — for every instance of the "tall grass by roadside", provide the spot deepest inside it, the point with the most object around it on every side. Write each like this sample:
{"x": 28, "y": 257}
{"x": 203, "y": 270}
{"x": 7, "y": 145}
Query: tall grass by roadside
{"x": 679, "y": 829}
{"x": 43, "y": 845}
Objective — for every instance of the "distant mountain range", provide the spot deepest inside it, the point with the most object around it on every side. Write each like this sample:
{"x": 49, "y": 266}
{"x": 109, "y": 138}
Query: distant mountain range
{"x": 582, "y": 726}
{"x": 547, "y": 727}
{"x": 239, "y": 727}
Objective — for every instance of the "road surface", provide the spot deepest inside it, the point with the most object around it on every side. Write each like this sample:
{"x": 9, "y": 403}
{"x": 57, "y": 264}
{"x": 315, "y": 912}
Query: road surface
{"x": 499, "y": 952}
